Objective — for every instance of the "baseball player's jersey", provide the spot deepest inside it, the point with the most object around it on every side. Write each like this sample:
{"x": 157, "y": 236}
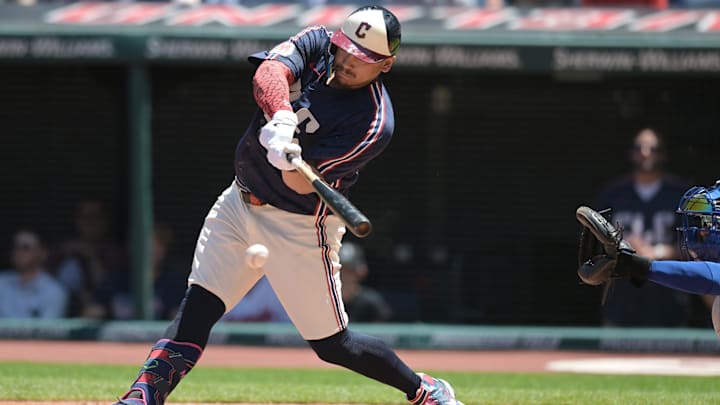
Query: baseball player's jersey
{"x": 652, "y": 218}
{"x": 339, "y": 130}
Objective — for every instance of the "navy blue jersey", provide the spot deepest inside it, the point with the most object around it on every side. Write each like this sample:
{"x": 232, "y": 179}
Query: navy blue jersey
{"x": 339, "y": 130}
{"x": 654, "y": 220}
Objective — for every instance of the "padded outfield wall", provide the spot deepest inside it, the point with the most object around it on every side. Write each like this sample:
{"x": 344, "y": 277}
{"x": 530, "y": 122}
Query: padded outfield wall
{"x": 507, "y": 120}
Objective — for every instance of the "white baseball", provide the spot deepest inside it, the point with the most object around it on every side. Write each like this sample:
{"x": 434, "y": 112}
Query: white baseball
{"x": 256, "y": 255}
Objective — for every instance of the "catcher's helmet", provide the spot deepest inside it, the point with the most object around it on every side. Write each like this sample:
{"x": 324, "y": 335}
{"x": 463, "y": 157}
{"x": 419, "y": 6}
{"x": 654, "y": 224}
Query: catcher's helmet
{"x": 699, "y": 233}
{"x": 370, "y": 33}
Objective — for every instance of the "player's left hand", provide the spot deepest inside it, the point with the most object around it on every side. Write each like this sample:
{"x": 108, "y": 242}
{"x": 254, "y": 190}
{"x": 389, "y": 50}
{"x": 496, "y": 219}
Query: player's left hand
{"x": 278, "y": 151}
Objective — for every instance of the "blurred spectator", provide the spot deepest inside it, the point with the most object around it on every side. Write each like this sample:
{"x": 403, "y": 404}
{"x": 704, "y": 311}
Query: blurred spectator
{"x": 28, "y": 291}
{"x": 259, "y": 305}
{"x": 114, "y": 300}
{"x": 437, "y": 284}
{"x": 362, "y": 303}
{"x": 82, "y": 262}
{"x": 643, "y": 202}
{"x": 399, "y": 285}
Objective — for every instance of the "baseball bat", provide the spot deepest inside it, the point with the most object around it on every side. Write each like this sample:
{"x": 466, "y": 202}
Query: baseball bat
{"x": 355, "y": 220}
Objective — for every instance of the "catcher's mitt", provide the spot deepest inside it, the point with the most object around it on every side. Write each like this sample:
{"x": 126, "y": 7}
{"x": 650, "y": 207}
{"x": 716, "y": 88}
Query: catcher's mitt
{"x": 600, "y": 243}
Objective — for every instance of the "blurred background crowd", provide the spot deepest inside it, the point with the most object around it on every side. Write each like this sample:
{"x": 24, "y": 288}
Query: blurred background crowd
{"x": 87, "y": 275}
{"x": 85, "y": 272}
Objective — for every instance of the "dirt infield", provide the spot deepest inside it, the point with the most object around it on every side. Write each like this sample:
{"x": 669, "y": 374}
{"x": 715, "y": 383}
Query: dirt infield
{"x": 281, "y": 357}
{"x": 284, "y": 357}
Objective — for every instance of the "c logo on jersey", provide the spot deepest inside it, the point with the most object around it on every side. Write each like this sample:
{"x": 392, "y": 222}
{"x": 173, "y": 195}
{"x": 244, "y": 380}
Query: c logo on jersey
{"x": 306, "y": 121}
{"x": 361, "y": 30}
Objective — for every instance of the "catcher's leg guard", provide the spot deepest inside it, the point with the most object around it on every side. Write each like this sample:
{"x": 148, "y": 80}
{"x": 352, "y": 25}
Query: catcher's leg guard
{"x": 167, "y": 364}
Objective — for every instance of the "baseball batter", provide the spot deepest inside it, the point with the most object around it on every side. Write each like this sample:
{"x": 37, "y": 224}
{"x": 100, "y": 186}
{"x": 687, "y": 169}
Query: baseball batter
{"x": 321, "y": 96}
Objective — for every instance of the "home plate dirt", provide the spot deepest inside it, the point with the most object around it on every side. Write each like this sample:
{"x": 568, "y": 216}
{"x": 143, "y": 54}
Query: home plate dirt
{"x": 420, "y": 360}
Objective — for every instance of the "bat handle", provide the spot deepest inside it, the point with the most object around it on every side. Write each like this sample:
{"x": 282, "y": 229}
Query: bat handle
{"x": 302, "y": 167}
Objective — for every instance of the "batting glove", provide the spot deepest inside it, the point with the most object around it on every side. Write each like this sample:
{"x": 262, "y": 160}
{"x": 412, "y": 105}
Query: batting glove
{"x": 278, "y": 151}
{"x": 281, "y": 128}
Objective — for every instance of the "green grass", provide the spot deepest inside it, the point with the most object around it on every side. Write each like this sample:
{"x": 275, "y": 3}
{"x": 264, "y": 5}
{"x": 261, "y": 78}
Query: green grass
{"x": 33, "y": 381}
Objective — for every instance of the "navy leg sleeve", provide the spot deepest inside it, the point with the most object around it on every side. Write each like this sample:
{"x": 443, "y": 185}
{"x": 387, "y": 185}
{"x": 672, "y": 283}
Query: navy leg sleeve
{"x": 198, "y": 312}
{"x": 368, "y": 356}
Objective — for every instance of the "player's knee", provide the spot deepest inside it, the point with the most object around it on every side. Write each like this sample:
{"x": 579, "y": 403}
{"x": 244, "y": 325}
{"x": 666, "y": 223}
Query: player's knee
{"x": 334, "y": 349}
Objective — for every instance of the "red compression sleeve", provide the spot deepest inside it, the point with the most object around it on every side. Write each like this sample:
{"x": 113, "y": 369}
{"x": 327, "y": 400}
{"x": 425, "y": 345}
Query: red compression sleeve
{"x": 271, "y": 86}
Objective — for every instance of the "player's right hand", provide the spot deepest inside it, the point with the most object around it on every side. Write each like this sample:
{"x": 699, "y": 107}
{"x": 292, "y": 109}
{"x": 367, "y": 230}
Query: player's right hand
{"x": 278, "y": 151}
{"x": 280, "y": 129}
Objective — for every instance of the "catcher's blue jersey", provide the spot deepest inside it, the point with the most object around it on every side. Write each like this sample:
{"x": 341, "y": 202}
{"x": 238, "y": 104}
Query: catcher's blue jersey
{"x": 339, "y": 130}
